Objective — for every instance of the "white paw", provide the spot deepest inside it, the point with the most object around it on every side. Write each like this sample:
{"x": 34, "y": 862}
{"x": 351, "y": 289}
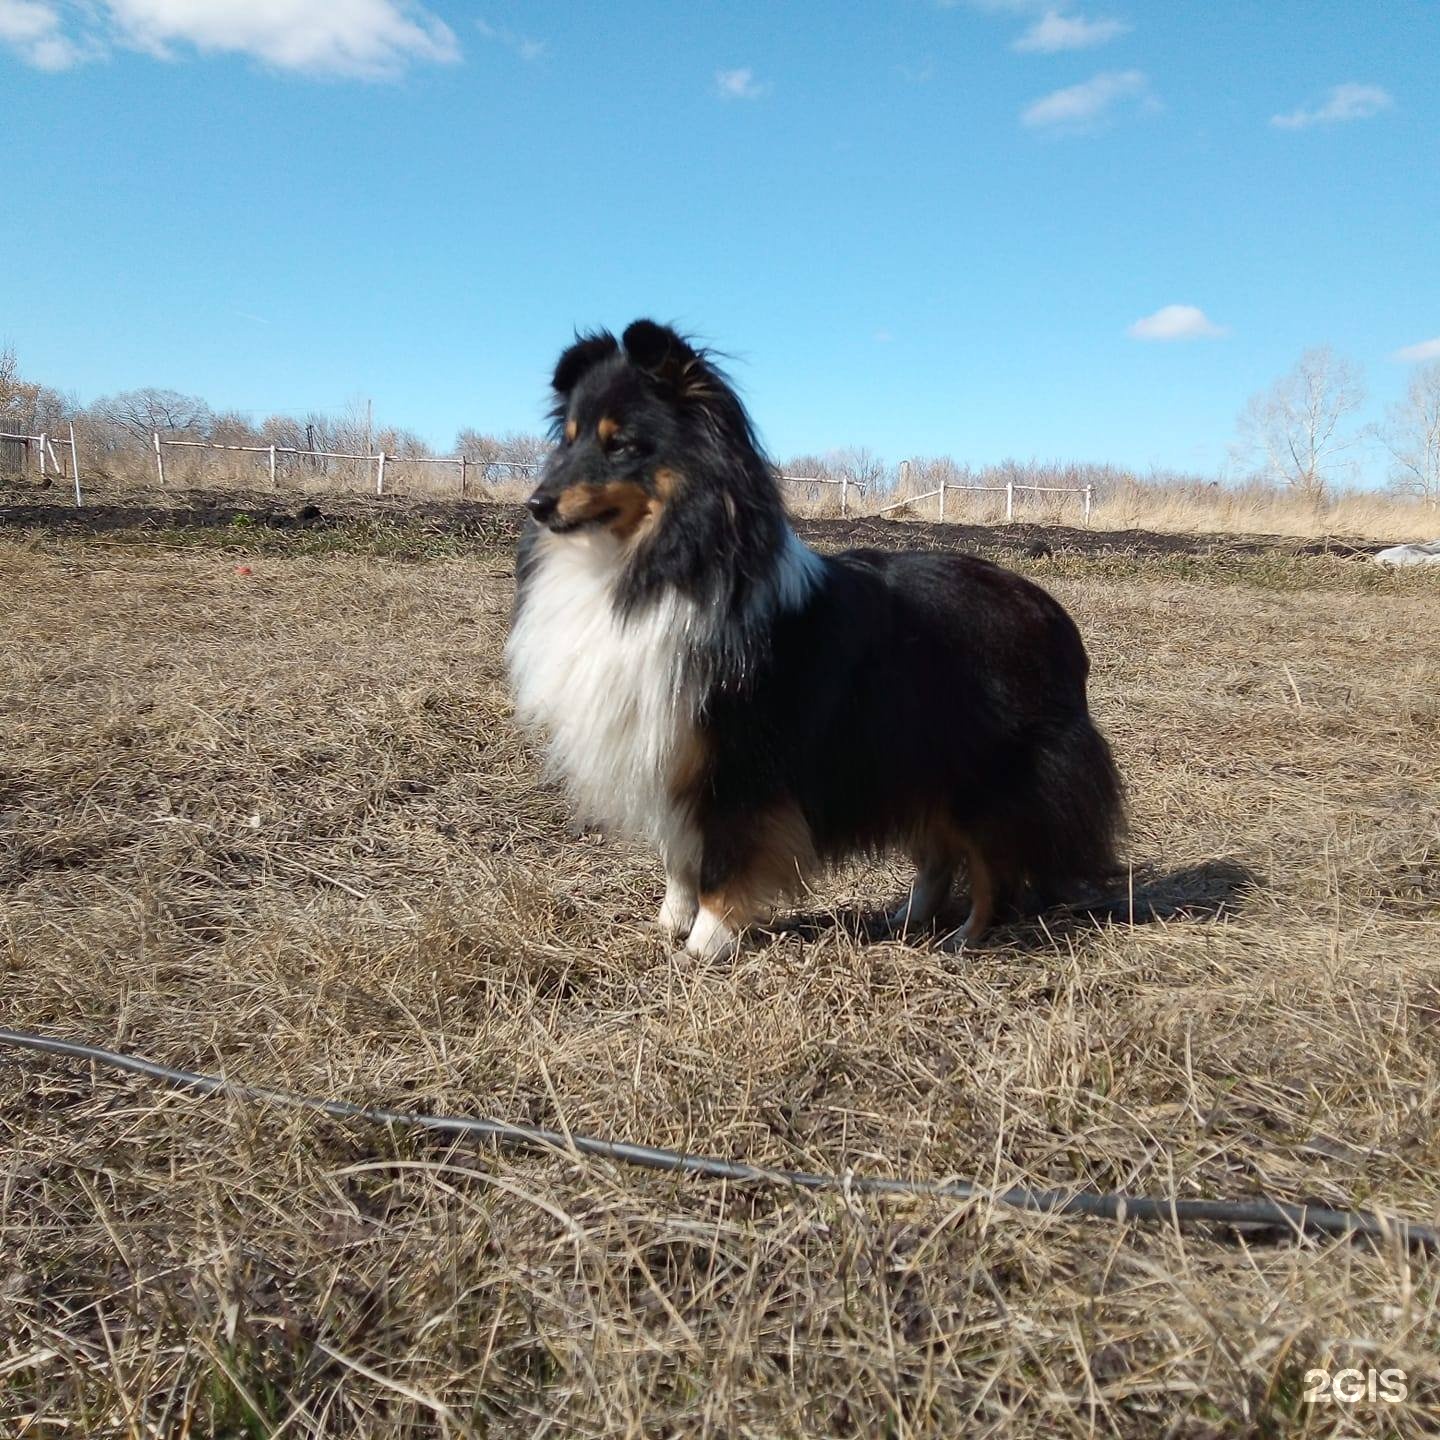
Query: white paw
{"x": 711, "y": 938}
{"x": 677, "y": 913}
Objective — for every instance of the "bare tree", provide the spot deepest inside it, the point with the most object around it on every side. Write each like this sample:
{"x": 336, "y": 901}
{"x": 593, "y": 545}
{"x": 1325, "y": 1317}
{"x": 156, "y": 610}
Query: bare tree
{"x": 1411, "y": 433}
{"x": 1295, "y": 429}
{"x": 805, "y": 466}
{"x": 478, "y": 448}
{"x": 862, "y": 467}
{"x": 513, "y": 448}
{"x": 139, "y": 412}
{"x": 524, "y": 448}
{"x": 10, "y": 381}
{"x": 27, "y": 406}
{"x": 927, "y": 471}
{"x": 233, "y": 428}
{"x": 401, "y": 444}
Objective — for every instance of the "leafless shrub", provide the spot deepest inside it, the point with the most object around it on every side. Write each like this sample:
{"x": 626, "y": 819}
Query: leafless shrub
{"x": 1411, "y": 434}
{"x": 1295, "y": 433}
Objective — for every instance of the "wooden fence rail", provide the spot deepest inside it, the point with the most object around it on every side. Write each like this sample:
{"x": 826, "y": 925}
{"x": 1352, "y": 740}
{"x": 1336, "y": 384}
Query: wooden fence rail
{"x": 48, "y": 460}
{"x": 1008, "y": 490}
{"x": 378, "y": 459}
{"x": 45, "y": 446}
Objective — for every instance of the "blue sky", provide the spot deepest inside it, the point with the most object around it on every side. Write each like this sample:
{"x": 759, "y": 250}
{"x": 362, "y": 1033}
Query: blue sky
{"x": 922, "y": 227}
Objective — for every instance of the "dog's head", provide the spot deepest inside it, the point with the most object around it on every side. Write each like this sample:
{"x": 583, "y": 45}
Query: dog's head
{"x": 629, "y": 416}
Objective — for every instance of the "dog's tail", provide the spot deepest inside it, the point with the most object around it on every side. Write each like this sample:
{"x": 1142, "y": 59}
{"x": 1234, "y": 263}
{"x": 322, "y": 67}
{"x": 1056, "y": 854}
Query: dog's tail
{"x": 1076, "y": 813}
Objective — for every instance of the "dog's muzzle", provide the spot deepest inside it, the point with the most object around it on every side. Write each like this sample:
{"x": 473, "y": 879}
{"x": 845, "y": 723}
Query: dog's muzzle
{"x": 542, "y": 506}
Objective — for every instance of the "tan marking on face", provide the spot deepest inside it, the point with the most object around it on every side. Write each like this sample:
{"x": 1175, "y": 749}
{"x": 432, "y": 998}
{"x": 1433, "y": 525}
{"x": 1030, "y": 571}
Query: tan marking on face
{"x": 626, "y": 505}
{"x": 607, "y": 429}
{"x": 783, "y": 853}
{"x": 666, "y": 482}
{"x": 572, "y": 429}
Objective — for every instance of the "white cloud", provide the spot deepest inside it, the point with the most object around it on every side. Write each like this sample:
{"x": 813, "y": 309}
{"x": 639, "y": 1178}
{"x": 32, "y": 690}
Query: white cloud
{"x": 1080, "y": 107}
{"x": 1054, "y": 32}
{"x": 917, "y": 74}
{"x": 739, "y": 84}
{"x": 522, "y": 45}
{"x": 24, "y": 20}
{"x": 1415, "y": 354}
{"x": 369, "y": 39}
{"x": 32, "y": 29}
{"x": 1344, "y": 102}
{"x": 883, "y": 336}
{"x": 1177, "y": 322}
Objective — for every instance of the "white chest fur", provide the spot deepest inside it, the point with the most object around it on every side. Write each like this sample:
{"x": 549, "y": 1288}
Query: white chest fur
{"x": 610, "y": 695}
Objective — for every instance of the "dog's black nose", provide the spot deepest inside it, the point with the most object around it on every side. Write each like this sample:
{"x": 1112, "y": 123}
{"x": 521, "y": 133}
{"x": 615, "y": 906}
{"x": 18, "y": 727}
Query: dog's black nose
{"x": 541, "y": 506}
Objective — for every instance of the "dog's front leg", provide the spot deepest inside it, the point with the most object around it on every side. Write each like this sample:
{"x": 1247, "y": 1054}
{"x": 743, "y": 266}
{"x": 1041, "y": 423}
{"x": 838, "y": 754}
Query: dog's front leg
{"x": 713, "y": 936}
{"x": 682, "y": 901}
{"x": 680, "y": 847}
{"x": 751, "y": 855}
{"x": 725, "y": 904}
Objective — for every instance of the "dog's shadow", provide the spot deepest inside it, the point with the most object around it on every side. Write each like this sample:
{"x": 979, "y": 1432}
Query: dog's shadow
{"x": 1210, "y": 891}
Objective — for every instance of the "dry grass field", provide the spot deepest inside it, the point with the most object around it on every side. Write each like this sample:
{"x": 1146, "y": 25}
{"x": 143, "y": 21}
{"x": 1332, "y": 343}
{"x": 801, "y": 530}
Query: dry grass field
{"x": 1122, "y": 504}
{"x": 277, "y": 824}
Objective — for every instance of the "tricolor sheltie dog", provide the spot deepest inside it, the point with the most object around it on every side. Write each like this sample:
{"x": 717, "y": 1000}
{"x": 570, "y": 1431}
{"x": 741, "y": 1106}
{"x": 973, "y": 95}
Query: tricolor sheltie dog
{"x": 753, "y": 709}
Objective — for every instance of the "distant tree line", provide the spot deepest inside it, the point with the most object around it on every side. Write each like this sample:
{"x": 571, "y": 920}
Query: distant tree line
{"x": 1299, "y": 435}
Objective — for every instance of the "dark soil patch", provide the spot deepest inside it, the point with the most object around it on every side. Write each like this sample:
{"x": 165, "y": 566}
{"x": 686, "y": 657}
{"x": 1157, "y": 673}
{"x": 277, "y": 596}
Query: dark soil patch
{"x": 498, "y": 522}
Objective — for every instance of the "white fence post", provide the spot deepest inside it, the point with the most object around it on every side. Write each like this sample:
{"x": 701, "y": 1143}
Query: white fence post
{"x": 463, "y": 466}
{"x": 1089, "y": 497}
{"x": 75, "y": 467}
{"x": 1009, "y": 499}
{"x": 274, "y": 483}
{"x": 159, "y": 456}
{"x": 41, "y": 438}
{"x": 844, "y": 493}
{"x": 380, "y": 473}
{"x": 942, "y": 496}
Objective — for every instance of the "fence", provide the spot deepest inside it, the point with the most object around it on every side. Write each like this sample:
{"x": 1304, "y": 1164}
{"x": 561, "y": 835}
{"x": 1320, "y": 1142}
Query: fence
{"x": 379, "y": 460}
{"x": 463, "y": 463}
{"x": 845, "y": 483}
{"x": 1008, "y": 490}
{"x": 45, "y": 446}
{"x": 491, "y": 470}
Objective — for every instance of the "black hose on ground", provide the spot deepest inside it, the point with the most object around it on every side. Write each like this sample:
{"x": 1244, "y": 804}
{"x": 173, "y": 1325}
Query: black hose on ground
{"x": 1267, "y": 1214}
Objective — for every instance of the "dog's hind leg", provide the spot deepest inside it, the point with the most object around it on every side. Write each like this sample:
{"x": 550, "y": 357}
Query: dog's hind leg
{"x": 936, "y": 847}
{"x": 982, "y": 901}
{"x": 928, "y": 892}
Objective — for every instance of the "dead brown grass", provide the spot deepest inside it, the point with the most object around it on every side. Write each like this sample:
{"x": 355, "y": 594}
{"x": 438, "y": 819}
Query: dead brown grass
{"x": 1131, "y": 505}
{"x": 279, "y": 825}
{"x": 1190, "y": 510}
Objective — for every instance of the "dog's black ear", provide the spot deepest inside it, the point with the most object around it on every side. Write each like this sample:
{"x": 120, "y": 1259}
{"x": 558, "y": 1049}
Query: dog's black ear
{"x": 667, "y": 357}
{"x": 653, "y": 347}
{"x": 587, "y": 352}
